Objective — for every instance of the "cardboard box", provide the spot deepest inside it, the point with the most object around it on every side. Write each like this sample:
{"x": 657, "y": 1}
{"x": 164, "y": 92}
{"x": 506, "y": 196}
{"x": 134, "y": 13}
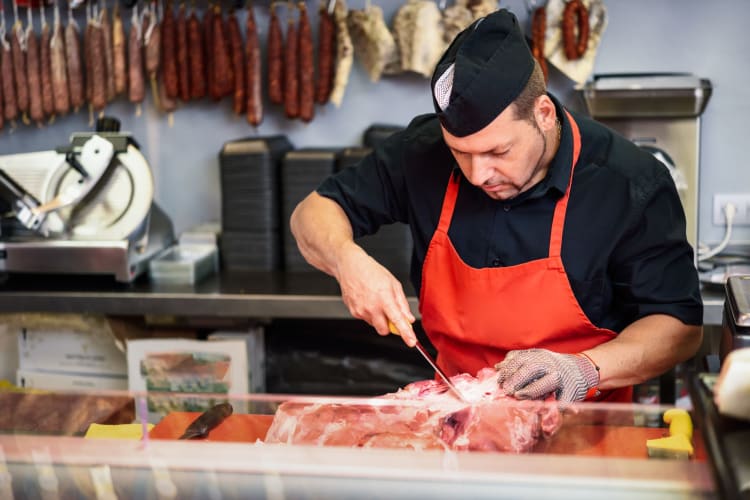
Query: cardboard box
{"x": 8, "y": 354}
{"x": 63, "y": 381}
{"x": 254, "y": 340}
{"x": 204, "y": 371}
{"x": 88, "y": 347}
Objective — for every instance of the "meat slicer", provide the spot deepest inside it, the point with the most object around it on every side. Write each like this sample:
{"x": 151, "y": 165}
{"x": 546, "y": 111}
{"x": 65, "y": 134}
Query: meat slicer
{"x": 85, "y": 208}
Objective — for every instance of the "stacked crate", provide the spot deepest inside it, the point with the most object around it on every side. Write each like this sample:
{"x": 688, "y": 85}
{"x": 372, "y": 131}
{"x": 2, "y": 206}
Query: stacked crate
{"x": 250, "y": 191}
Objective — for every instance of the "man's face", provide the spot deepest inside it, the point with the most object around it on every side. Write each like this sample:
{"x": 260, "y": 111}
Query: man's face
{"x": 505, "y": 158}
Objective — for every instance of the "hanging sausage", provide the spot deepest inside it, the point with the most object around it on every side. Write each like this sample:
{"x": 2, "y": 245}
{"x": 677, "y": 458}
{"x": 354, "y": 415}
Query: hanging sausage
{"x": 10, "y": 104}
{"x": 33, "y": 73}
{"x": 152, "y": 49}
{"x": 169, "y": 52}
{"x": 73, "y": 59}
{"x": 275, "y": 54}
{"x": 181, "y": 53}
{"x": 196, "y": 59}
{"x": 326, "y": 55}
{"x": 291, "y": 68}
{"x": 45, "y": 66}
{"x": 119, "y": 64}
{"x": 58, "y": 65}
{"x": 98, "y": 66}
{"x": 18, "y": 49}
{"x": 538, "y": 36}
{"x": 109, "y": 52}
{"x": 136, "y": 84}
{"x": 306, "y": 66}
{"x": 238, "y": 63}
{"x": 575, "y": 29}
{"x": 253, "y": 78}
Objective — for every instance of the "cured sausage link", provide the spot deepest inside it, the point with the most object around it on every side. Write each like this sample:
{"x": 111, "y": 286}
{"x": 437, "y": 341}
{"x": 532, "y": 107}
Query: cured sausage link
{"x": 223, "y": 75}
{"x": 169, "y": 52}
{"x": 275, "y": 58}
{"x": 575, "y": 18}
{"x": 238, "y": 63}
{"x": 17, "y": 46}
{"x": 33, "y": 75}
{"x": 59, "y": 66}
{"x": 326, "y": 55}
{"x": 136, "y": 84}
{"x": 253, "y": 67}
{"x": 183, "y": 67}
{"x": 119, "y": 63}
{"x": 75, "y": 70}
{"x": 291, "y": 68}
{"x": 197, "y": 61}
{"x": 45, "y": 66}
{"x": 306, "y": 66}
{"x": 538, "y": 35}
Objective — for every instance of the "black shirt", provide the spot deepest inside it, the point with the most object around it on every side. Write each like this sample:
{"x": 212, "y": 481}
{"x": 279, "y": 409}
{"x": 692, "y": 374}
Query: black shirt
{"x": 624, "y": 246}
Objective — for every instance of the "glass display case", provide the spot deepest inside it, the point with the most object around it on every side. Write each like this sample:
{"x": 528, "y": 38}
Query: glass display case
{"x": 127, "y": 445}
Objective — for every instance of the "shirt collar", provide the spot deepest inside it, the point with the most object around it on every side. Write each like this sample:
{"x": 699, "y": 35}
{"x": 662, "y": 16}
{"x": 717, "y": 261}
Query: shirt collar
{"x": 558, "y": 174}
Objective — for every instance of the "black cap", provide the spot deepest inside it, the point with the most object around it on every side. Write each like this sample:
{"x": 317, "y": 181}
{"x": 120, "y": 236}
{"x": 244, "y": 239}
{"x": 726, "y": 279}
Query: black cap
{"x": 483, "y": 71}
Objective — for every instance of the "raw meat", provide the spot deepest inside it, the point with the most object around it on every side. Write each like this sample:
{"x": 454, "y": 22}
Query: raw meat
{"x": 423, "y": 415}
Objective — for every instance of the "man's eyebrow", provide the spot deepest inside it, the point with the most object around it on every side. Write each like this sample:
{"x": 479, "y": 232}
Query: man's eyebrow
{"x": 498, "y": 148}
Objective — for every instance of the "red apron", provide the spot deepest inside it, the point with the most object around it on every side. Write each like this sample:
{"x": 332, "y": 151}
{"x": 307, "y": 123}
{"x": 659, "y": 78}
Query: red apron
{"x": 475, "y": 316}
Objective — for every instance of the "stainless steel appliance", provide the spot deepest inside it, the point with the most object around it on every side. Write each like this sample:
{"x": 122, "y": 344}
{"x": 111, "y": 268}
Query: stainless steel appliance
{"x": 736, "y": 323}
{"x": 661, "y": 113}
{"x": 86, "y": 208}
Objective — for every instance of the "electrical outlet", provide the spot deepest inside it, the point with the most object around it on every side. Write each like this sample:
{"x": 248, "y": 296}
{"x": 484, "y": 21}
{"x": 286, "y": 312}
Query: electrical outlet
{"x": 741, "y": 201}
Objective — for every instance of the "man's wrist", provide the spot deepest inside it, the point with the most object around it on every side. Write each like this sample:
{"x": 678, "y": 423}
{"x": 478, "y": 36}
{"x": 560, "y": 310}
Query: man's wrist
{"x": 590, "y": 372}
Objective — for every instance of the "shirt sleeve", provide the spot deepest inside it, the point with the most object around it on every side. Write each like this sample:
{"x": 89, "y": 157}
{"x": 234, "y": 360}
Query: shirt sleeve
{"x": 653, "y": 268}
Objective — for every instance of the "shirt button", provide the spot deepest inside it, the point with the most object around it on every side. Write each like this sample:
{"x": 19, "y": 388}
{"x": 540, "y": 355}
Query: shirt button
{"x": 496, "y": 262}
{"x": 506, "y": 208}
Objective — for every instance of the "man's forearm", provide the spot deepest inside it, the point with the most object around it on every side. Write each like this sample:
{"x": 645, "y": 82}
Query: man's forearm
{"x": 322, "y": 231}
{"x": 644, "y": 350}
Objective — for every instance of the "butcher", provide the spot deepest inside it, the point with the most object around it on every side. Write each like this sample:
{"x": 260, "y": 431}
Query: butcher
{"x": 546, "y": 245}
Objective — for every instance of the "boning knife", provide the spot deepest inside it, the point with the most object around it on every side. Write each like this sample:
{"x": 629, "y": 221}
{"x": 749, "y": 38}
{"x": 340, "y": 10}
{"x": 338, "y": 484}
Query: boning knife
{"x": 432, "y": 363}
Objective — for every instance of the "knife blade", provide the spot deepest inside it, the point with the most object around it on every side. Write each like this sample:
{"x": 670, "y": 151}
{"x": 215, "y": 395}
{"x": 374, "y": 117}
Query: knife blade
{"x": 206, "y": 421}
{"x": 432, "y": 363}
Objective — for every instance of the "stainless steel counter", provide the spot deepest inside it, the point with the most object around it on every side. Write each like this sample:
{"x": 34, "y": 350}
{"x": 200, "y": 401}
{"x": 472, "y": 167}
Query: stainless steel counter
{"x": 227, "y": 295}
{"x": 236, "y": 295}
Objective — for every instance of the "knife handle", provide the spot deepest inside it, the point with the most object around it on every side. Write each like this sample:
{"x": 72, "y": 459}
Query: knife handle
{"x": 394, "y": 330}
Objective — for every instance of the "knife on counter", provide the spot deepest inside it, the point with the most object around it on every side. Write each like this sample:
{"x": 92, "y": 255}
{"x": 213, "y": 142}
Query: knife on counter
{"x": 392, "y": 328}
{"x": 206, "y": 421}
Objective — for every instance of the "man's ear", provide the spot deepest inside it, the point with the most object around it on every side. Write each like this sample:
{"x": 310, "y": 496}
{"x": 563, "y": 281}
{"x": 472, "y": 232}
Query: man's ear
{"x": 545, "y": 113}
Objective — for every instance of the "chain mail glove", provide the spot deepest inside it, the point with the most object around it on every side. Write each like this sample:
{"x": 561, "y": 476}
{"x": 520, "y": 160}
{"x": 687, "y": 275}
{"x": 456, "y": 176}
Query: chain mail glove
{"x": 535, "y": 373}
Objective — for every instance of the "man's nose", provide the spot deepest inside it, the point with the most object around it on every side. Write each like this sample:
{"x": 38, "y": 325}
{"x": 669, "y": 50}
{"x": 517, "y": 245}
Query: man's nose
{"x": 481, "y": 170}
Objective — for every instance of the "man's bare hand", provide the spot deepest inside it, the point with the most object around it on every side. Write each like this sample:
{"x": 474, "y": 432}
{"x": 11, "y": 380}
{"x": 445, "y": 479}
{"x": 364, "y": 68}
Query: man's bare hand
{"x": 373, "y": 294}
